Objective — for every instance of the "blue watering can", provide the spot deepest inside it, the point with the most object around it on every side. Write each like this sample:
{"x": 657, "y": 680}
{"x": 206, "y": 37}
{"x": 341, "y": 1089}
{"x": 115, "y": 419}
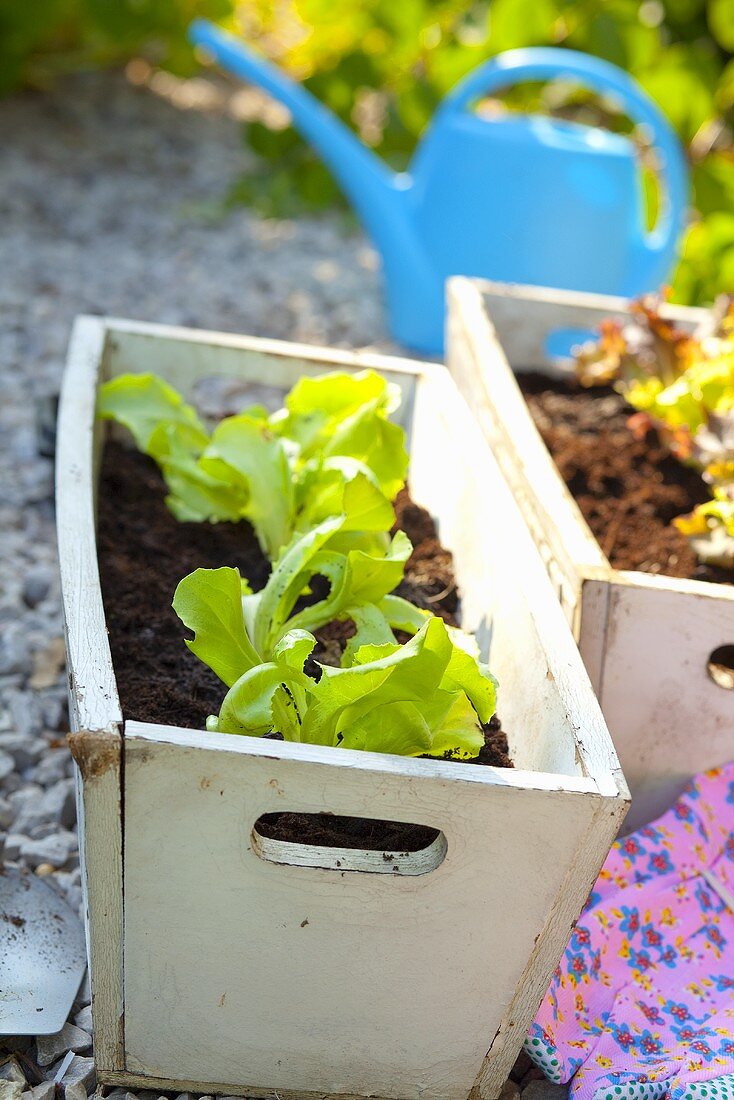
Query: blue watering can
{"x": 520, "y": 198}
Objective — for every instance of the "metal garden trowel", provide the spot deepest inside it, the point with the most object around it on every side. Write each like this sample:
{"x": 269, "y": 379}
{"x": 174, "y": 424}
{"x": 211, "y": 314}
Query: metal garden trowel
{"x": 42, "y": 955}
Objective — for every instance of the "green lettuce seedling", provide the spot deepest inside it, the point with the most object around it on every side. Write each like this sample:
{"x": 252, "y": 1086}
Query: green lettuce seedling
{"x": 360, "y": 580}
{"x": 285, "y": 473}
{"x": 427, "y": 697}
{"x": 682, "y": 385}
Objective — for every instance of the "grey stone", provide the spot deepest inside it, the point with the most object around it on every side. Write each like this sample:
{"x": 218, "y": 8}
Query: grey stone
{"x": 80, "y": 1071}
{"x": 13, "y": 843}
{"x": 24, "y": 750}
{"x": 69, "y": 1038}
{"x": 7, "y": 815}
{"x": 36, "y": 585}
{"x": 11, "y": 1071}
{"x": 45, "y": 1091}
{"x": 75, "y": 1091}
{"x": 11, "y": 1090}
{"x": 7, "y": 764}
{"x": 55, "y": 849}
{"x": 510, "y": 1091}
{"x": 57, "y": 806}
{"x": 24, "y": 709}
{"x": 55, "y": 765}
{"x": 13, "y": 648}
{"x": 83, "y": 1019}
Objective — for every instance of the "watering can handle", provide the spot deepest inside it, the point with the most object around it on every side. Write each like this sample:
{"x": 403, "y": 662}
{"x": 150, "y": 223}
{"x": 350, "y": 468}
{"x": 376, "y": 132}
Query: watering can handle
{"x": 546, "y": 63}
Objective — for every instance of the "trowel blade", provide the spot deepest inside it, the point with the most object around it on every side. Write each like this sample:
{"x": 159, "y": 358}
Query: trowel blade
{"x": 42, "y": 955}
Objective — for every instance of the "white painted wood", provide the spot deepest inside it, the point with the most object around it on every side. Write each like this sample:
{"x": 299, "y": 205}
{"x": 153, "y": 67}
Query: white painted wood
{"x": 94, "y": 708}
{"x": 388, "y": 862}
{"x": 391, "y": 987}
{"x": 478, "y": 364}
{"x": 97, "y": 756}
{"x": 203, "y": 910}
{"x": 645, "y": 639}
{"x": 668, "y": 716}
{"x": 93, "y": 693}
{"x": 184, "y": 356}
{"x": 523, "y": 316}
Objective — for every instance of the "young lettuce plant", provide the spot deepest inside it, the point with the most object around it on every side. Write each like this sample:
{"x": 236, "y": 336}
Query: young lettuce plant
{"x": 284, "y": 473}
{"x": 682, "y": 385}
{"x": 360, "y": 582}
{"x": 426, "y": 697}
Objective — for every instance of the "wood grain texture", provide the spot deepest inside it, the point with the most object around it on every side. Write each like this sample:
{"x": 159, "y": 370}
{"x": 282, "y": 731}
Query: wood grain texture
{"x": 208, "y": 923}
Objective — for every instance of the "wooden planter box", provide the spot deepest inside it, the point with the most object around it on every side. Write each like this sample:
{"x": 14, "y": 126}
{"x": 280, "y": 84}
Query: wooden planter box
{"x": 223, "y": 963}
{"x": 646, "y": 639}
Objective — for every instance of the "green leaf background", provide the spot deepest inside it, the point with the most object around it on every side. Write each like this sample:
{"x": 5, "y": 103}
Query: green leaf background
{"x": 384, "y": 66}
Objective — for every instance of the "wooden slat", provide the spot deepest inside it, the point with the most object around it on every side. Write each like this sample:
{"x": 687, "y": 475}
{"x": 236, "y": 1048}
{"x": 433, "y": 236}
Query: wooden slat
{"x": 92, "y": 690}
{"x": 97, "y": 757}
{"x": 478, "y": 365}
{"x": 94, "y": 706}
{"x": 184, "y": 356}
{"x": 523, "y": 316}
{"x": 218, "y": 941}
{"x": 667, "y": 717}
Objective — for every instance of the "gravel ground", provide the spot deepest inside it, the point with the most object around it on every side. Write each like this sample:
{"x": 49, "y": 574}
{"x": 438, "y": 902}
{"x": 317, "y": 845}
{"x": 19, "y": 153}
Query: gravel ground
{"x": 106, "y": 196}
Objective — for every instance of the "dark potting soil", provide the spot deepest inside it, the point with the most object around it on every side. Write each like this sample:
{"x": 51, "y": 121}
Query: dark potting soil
{"x": 333, "y": 831}
{"x": 143, "y": 554}
{"x": 628, "y": 489}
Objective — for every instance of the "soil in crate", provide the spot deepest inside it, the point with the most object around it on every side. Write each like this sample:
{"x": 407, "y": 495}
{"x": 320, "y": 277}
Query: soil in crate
{"x": 628, "y": 489}
{"x": 143, "y": 554}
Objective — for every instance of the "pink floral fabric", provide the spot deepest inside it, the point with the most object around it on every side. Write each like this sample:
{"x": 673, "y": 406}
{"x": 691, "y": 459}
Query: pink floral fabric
{"x": 642, "y": 1004}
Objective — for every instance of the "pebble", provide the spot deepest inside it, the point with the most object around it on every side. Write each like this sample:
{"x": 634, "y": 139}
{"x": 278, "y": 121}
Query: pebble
{"x": 13, "y": 844}
{"x": 11, "y": 1090}
{"x": 7, "y": 765}
{"x": 83, "y": 1019}
{"x": 13, "y": 649}
{"x": 11, "y": 1071}
{"x": 24, "y": 750}
{"x": 36, "y": 585}
{"x": 55, "y": 849}
{"x": 81, "y": 1072}
{"x": 75, "y": 1091}
{"x": 70, "y": 1037}
{"x": 45, "y": 1091}
{"x": 57, "y": 806}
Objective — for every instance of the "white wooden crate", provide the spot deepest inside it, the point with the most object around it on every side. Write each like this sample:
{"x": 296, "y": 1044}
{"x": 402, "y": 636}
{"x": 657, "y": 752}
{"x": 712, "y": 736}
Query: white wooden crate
{"x": 217, "y": 968}
{"x": 646, "y": 640}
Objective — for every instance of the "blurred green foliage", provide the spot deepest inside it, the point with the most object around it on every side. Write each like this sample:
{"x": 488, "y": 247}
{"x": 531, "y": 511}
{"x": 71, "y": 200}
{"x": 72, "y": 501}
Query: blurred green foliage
{"x": 384, "y": 65}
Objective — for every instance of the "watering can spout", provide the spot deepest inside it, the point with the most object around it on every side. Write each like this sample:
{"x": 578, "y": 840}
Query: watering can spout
{"x": 373, "y": 190}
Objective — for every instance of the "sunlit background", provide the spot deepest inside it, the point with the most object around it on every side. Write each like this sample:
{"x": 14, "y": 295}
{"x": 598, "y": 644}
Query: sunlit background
{"x": 383, "y": 66}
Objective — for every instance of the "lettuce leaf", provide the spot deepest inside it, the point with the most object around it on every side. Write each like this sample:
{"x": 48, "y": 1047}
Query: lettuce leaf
{"x": 424, "y": 697}
{"x": 331, "y": 451}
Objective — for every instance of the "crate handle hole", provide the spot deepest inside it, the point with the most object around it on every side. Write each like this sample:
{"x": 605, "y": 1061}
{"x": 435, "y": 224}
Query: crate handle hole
{"x": 339, "y": 843}
{"x": 720, "y": 666}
